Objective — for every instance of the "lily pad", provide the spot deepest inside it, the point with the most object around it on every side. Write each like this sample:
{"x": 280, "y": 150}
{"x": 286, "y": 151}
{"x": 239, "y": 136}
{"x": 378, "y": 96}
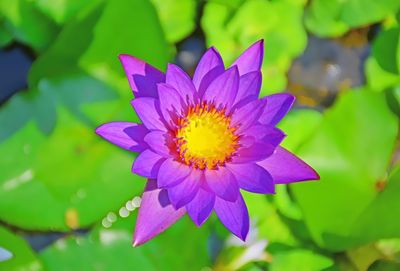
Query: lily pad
{"x": 180, "y": 247}
{"x": 19, "y": 254}
{"x": 177, "y": 17}
{"x": 232, "y": 28}
{"x": 332, "y": 18}
{"x": 383, "y": 65}
{"x": 27, "y": 23}
{"x": 350, "y": 151}
{"x": 75, "y": 172}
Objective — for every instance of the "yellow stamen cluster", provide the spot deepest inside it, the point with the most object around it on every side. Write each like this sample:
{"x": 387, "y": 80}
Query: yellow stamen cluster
{"x": 204, "y": 137}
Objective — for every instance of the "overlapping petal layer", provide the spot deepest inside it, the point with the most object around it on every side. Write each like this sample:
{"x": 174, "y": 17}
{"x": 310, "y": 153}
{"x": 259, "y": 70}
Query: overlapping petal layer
{"x": 203, "y": 139}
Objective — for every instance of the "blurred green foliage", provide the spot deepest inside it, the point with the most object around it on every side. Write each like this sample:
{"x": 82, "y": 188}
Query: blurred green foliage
{"x": 57, "y": 175}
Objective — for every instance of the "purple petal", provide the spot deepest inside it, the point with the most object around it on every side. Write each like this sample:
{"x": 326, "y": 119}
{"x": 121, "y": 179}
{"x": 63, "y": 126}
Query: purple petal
{"x": 222, "y": 91}
{"x": 249, "y": 88}
{"x": 159, "y": 142}
{"x": 142, "y": 77}
{"x": 126, "y": 135}
{"x": 277, "y": 107}
{"x": 266, "y": 134}
{"x": 182, "y": 193}
{"x": 200, "y": 208}
{"x": 251, "y": 59}
{"x": 147, "y": 164}
{"x": 247, "y": 115}
{"x": 234, "y": 216}
{"x": 252, "y": 178}
{"x": 180, "y": 81}
{"x": 222, "y": 182}
{"x": 285, "y": 167}
{"x": 209, "y": 67}
{"x": 148, "y": 112}
{"x": 170, "y": 103}
{"x": 254, "y": 153}
{"x": 171, "y": 173}
{"x": 156, "y": 214}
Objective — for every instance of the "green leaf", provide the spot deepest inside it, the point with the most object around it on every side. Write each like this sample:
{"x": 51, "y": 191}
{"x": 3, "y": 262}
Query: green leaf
{"x": 267, "y": 220}
{"x": 177, "y": 17}
{"x": 386, "y": 49}
{"x": 27, "y": 24}
{"x": 180, "y": 247}
{"x": 299, "y": 125}
{"x": 22, "y": 256}
{"x": 61, "y": 11}
{"x": 332, "y": 18}
{"x": 383, "y": 65}
{"x": 350, "y": 151}
{"x": 5, "y": 35}
{"x": 74, "y": 171}
{"x": 378, "y": 211}
{"x": 233, "y": 29}
{"x": 301, "y": 260}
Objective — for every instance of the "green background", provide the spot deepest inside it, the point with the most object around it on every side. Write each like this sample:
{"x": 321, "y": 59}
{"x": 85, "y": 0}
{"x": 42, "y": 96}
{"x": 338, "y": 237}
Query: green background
{"x": 68, "y": 199}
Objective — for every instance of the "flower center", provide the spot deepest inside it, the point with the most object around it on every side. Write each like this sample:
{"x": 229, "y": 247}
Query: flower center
{"x": 205, "y": 138}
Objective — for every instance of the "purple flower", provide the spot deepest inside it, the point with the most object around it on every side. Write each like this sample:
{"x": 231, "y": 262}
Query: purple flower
{"x": 203, "y": 139}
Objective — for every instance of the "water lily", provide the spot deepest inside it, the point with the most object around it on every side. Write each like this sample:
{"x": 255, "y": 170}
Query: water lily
{"x": 203, "y": 139}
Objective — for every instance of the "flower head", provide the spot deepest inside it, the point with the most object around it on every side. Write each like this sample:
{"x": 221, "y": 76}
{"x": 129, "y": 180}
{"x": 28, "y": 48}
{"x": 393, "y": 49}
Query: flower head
{"x": 204, "y": 139}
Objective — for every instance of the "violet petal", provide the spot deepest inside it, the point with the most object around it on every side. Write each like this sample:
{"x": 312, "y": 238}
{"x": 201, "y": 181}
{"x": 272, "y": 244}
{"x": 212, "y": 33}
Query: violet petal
{"x": 142, "y": 77}
{"x": 200, "y": 208}
{"x": 148, "y": 111}
{"x": 247, "y": 115}
{"x": 126, "y": 135}
{"x": 171, "y": 103}
{"x": 249, "y": 88}
{"x": 252, "y": 178}
{"x": 222, "y": 91}
{"x": 277, "y": 107}
{"x": 222, "y": 182}
{"x": 285, "y": 167}
{"x": 251, "y": 59}
{"x": 172, "y": 173}
{"x": 156, "y": 214}
{"x": 147, "y": 164}
{"x": 234, "y": 216}
{"x": 180, "y": 81}
{"x": 158, "y": 142}
{"x": 182, "y": 193}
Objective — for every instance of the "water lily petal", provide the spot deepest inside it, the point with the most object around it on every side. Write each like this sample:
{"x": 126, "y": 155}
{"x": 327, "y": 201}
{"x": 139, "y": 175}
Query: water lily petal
{"x": 171, "y": 103}
{"x": 266, "y": 134}
{"x": 126, "y": 135}
{"x": 222, "y": 182}
{"x": 248, "y": 115}
{"x": 180, "y": 81}
{"x": 249, "y": 88}
{"x": 149, "y": 113}
{"x": 253, "y": 178}
{"x": 156, "y": 214}
{"x": 251, "y": 59}
{"x": 200, "y": 208}
{"x": 277, "y": 107}
{"x": 172, "y": 173}
{"x": 142, "y": 77}
{"x": 182, "y": 193}
{"x": 254, "y": 153}
{"x": 209, "y": 67}
{"x": 285, "y": 167}
{"x": 159, "y": 142}
{"x": 147, "y": 164}
{"x": 222, "y": 91}
{"x": 233, "y": 215}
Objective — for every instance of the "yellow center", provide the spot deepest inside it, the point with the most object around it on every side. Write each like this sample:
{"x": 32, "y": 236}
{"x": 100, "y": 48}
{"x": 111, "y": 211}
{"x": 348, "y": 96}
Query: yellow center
{"x": 205, "y": 138}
